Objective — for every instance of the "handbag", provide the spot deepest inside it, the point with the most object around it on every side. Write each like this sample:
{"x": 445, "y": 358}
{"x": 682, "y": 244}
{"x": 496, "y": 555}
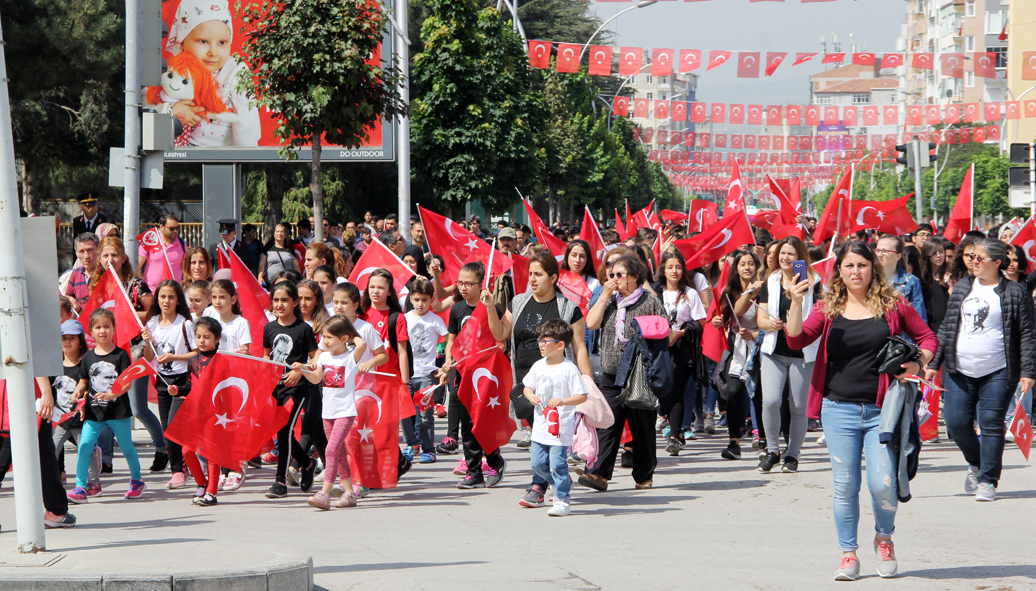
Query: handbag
{"x": 595, "y": 357}
{"x": 595, "y": 410}
{"x": 523, "y": 409}
{"x": 637, "y": 393}
{"x": 895, "y": 353}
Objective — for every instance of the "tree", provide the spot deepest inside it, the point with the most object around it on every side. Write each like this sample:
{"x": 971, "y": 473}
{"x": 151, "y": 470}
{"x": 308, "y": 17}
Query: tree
{"x": 474, "y": 121}
{"x": 314, "y": 63}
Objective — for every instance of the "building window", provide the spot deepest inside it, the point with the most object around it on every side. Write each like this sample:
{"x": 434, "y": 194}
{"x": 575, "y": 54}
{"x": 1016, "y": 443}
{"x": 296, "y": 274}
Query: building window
{"x": 861, "y": 99}
{"x": 970, "y": 4}
{"x": 824, "y": 100}
{"x": 649, "y": 77}
{"x": 969, "y": 43}
{"x": 995, "y": 21}
{"x": 665, "y": 79}
{"x": 969, "y": 78}
{"x": 1001, "y": 56}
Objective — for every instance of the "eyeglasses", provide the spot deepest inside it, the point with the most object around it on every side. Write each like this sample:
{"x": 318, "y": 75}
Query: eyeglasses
{"x": 618, "y": 275}
{"x": 546, "y": 341}
{"x": 881, "y": 251}
{"x": 977, "y": 258}
{"x": 466, "y": 283}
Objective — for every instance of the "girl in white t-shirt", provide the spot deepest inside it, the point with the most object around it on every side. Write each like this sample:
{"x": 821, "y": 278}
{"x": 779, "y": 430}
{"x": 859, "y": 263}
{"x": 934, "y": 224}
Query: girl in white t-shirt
{"x": 336, "y": 370}
{"x": 169, "y": 333}
{"x": 199, "y": 296}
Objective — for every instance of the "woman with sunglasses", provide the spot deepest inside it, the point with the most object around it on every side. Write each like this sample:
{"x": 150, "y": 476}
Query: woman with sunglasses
{"x": 986, "y": 348}
{"x": 623, "y": 299}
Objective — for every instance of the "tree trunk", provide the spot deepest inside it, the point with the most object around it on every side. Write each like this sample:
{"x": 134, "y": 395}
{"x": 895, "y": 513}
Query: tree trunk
{"x": 30, "y": 187}
{"x": 273, "y": 208}
{"x": 317, "y": 186}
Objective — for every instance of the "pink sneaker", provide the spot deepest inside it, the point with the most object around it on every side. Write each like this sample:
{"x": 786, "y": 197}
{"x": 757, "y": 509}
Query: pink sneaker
{"x": 179, "y": 480}
{"x": 78, "y": 495}
{"x": 345, "y": 501}
{"x": 93, "y": 490}
{"x": 462, "y": 468}
{"x": 136, "y": 489}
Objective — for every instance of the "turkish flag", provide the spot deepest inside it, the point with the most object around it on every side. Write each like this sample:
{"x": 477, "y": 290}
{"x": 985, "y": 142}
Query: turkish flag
{"x": 863, "y": 59}
{"x": 678, "y": 113}
{"x": 378, "y": 256}
{"x": 690, "y": 59}
{"x": 109, "y": 293}
{"x": 702, "y": 214}
{"x": 755, "y": 114}
{"x": 793, "y": 115}
{"x": 922, "y": 61}
{"x": 870, "y": 115}
{"x": 720, "y": 140}
{"x": 890, "y": 114}
{"x": 748, "y": 64}
{"x": 788, "y": 209}
{"x": 457, "y": 246}
{"x": 750, "y": 143}
{"x": 641, "y": 107}
{"x": 714, "y": 340}
{"x": 139, "y": 369}
{"x": 891, "y": 60}
{"x": 764, "y": 143}
{"x": 1013, "y": 111}
{"x": 773, "y": 115}
{"x": 230, "y": 413}
{"x": 774, "y": 59}
{"x": 373, "y": 442}
{"x": 717, "y": 58}
{"x": 1026, "y": 238}
{"x": 992, "y": 112}
{"x": 485, "y": 392}
{"x": 520, "y": 272}
{"x": 600, "y": 60}
{"x": 824, "y": 268}
{"x": 833, "y": 58}
{"x": 737, "y": 114}
{"x": 425, "y": 397}
{"x": 151, "y": 241}
{"x": 985, "y": 64}
{"x": 735, "y": 200}
{"x": 971, "y": 112}
{"x": 661, "y": 62}
{"x": 474, "y": 336}
{"x": 631, "y": 222}
{"x": 575, "y": 289}
{"x": 1021, "y": 427}
{"x": 778, "y": 143}
{"x": 850, "y": 116}
{"x": 661, "y": 112}
{"x": 979, "y": 135}
{"x": 621, "y": 106}
{"x": 915, "y": 115}
{"x": 831, "y": 222}
{"x": 801, "y": 58}
{"x": 953, "y": 65}
{"x": 620, "y": 227}
{"x": 933, "y": 116}
{"x": 831, "y": 116}
{"x": 539, "y": 54}
{"x": 630, "y": 60}
{"x": 888, "y": 217}
{"x": 592, "y": 235}
{"x": 961, "y": 216}
{"x": 719, "y": 112}
{"x": 254, "y": 302}
{"x": 550, "y": 416}
{"x": 1028, "y": 65}
{"x": 952, "y": 115}
{"x": 716, "y": 241}
{"x": 1030, "y": 109}
{"x": 221, "y": 258}
{"x": 812, "y": 115}
{"x": 670, "y": 215}
{"x": 698, "y": 113}
{"x": 764, "y": 218}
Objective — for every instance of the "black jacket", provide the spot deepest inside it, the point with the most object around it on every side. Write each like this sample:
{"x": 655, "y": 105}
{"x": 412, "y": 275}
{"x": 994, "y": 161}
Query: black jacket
{"x": 1019, "y": 339}
{"x": 242, "y": 251}
{"x": 79, "y": 224}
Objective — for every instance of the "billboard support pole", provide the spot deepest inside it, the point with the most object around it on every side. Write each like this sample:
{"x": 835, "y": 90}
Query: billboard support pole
{"x": 132, "y": 159}
{"x": 401, "y": 37}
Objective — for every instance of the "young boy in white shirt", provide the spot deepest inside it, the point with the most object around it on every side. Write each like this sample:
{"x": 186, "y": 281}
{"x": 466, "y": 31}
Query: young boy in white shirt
{"x": 556, "y": 387}
{"x": 424, "y": 329}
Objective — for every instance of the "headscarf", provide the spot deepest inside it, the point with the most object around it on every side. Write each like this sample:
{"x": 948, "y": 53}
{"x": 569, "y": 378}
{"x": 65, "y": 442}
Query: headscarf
{"x": 418, "y": 253}
{"x": 1000, "y": 234}
{"x": 192, "y": 13}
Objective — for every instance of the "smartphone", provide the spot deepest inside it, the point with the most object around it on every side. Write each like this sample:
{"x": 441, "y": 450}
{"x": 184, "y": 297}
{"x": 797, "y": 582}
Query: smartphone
{"x": 799, "y": 269}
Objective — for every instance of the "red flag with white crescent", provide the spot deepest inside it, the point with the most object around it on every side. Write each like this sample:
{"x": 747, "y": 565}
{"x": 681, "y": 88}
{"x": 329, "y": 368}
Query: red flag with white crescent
{"x": 552, "y": 243}
{"x": 138, "y": 369}
{"x": 1026, "y": 238}
{"x": 575, "y": 289}
{"x": 150, "y": 240}
{"x": 457, "y": 246}
{"x": 963, "y": 211}
{"x": 378, "y": 256}
{"x": 109, "y": 293}
{"x": 1021, "y": 427}
{"x": 485, "y": 392}
{"x": 373, "y": 442}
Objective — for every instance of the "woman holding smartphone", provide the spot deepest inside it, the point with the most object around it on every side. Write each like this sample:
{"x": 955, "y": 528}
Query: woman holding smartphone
{"x": 779, "y": 363}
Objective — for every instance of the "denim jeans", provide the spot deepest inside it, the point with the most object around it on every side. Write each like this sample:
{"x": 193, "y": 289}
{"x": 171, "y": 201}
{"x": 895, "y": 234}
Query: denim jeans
{"x": 987, "y": 397}
{"x": 550, "y": 463}
{"x": 851, "y": 430}
{"x": 424, "y": 422}
{"x": 142, "y": 412}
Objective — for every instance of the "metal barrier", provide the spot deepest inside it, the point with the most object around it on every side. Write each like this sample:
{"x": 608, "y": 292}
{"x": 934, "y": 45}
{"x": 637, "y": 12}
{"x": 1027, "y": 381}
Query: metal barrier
{"x": 192, "y": 234}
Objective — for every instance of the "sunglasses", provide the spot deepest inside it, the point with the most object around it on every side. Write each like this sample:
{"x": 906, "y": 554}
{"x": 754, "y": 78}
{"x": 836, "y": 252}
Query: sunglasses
{"x": 977, "y": 258}
{"x": 618, "y": 275}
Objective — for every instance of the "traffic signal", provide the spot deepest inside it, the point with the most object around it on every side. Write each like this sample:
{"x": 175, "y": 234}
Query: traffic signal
{"x": 927, "y": 162}
{"x": 905, "y": 149}
{"x": 154, "y": 32}
{"x": 1019, "y": 192}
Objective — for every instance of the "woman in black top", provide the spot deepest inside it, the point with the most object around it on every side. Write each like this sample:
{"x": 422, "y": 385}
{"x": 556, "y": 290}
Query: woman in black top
{"x": 936, "y": 293}
{"x": 278, "y": 254}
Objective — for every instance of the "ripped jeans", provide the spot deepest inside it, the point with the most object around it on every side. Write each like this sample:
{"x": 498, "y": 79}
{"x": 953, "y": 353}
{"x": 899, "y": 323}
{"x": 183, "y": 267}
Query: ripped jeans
{"x": 851, "y": 430}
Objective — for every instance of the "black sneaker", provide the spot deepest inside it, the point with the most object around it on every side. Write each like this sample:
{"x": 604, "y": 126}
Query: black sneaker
{"x": 791, "y": 465}
{"x": 495, "y": 475}
{"x": 533, "y": 497}
{"x": 769, "y": 462}
{"x": 306, "y": 476}
{"x": 106, "y": 468}
{"x": 673, "y": 447}
{"x": 472, "y": 481}
{"x": 208, "y": 500}
{"x": 403, "y": 466}
{"x": 733, "y": 451}
{"x": 160, "y": 462}
{"x": 277, "y": 491}
{"x": 627, "y": 459}
{"x": 448, "y": 446}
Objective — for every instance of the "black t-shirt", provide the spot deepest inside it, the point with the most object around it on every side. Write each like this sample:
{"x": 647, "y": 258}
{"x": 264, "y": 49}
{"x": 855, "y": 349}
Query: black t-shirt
{"x": 526, "y": 350}
{"x": 100, "y": 372}
{"x": 62, "y": 387}
{"x": 852, "y": 359}
{"x": 289, "y": 344}
{"x": 782, "y": 347}
{"x": 460, "y": 312}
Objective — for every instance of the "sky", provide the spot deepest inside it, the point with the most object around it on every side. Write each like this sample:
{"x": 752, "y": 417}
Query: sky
{"x": 763, "y": 26}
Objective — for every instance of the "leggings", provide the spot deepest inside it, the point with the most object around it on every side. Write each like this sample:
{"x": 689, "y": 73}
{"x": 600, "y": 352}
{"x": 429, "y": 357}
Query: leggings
{"x": 737, "y": 402}
{"x": 775, "y": 371}
{"x": 91, "y": 430}
{"x": 454, "y": 409}
{"x": 61, "y": 435}
{"x": 286, "y": 442}
{"x": 142, "y": 412}
{"x": 167, "y": 407}
{"x": 194, "y": 466}
{"x": 312, "y": 430}
{"x": 337, "y": 462}
{"x": 673, "y": 404}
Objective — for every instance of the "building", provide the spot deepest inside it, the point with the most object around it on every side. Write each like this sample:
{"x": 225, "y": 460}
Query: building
{"x": 856, "y": 86}
{"x": 1021, "y": 37}
{"x": 677, "y": 88}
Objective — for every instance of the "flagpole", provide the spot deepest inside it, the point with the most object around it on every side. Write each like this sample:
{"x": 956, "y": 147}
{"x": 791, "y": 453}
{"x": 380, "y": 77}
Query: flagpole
{"x": 489, "y": 269}
{"x": 972, "y": 208}
{"x": 122, "y": 290}
{"x": 165, "y": 254}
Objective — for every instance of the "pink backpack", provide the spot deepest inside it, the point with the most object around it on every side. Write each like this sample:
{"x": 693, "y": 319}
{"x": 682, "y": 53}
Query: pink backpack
{"x": 584, "y": 441}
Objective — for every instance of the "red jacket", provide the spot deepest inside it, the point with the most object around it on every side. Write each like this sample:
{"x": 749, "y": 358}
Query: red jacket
{"x": 902, "y": 319}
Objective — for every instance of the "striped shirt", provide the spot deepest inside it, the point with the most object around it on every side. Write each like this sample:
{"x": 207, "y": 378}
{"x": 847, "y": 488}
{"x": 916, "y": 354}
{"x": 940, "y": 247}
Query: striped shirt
{"x": 78, "y": 285}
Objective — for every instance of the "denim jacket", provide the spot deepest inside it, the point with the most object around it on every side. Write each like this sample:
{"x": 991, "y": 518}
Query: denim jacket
{"x": 910, "y": 288}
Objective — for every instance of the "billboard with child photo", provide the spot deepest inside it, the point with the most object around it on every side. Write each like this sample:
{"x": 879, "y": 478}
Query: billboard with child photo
{"x": 204, "y": 52}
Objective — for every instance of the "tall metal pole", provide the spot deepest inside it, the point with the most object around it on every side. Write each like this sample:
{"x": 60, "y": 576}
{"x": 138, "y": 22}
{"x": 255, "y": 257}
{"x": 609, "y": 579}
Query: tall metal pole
{"x": 14, "y": 340}
{"x": 917, "y": 178}
{"x": 131, "y": 207}
{"x": 403, "y": 129}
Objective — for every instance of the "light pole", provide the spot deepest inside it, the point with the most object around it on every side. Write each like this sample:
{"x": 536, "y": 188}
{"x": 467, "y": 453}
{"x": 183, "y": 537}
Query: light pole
{"x": 615, "y": 16}
{"x": 402, "y": 43}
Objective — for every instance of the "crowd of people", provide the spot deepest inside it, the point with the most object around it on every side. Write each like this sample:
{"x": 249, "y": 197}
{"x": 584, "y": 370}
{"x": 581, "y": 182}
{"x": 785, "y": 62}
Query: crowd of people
{"x": 804, "y": 350}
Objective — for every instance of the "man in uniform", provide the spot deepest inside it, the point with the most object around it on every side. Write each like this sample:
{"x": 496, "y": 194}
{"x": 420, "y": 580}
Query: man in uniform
{"x": 91, "y": 218}
{"x": 228, "y": 231}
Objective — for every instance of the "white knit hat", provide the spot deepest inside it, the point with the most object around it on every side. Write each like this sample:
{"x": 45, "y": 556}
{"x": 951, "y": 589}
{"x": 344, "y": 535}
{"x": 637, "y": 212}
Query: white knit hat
{"x": 192, "y": 13}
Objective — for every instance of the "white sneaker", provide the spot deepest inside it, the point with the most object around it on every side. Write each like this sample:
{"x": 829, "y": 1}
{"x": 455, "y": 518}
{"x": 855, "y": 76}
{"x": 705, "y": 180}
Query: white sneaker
{"x": 821, "y": 440}
{"x": 234, "y": 481}
{"x": 971, "y": 481}
{"x": 986, "y": 492}
{"x": 560, "y": 509}
{"x": 337, "y": 491}
{"x": 222, "y": 482}
{"x": 1009, "y": 437}
{"x": 526, "y": 440}
{"x": 292, "y": 476}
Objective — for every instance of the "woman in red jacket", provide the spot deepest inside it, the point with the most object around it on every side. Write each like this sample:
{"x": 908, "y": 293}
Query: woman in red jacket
{"x": 853, "y": 322}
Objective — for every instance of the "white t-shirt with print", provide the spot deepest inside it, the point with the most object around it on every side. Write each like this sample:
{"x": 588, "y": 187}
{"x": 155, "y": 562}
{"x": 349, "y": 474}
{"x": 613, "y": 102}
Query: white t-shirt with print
{"x": 980, "y": 340}
{"x": 339, "y": 385}
{"x": 236, "y": 333}
{"x": 170, "y": 339}
{"x": 554, "y": 381}
{"x": 370, "y": 335}
{"x": 424, "y": 332}
{"x": 687, "y": 309}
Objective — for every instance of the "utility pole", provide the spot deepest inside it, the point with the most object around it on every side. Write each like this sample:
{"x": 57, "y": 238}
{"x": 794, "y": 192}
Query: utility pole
{"x": 131, "y": 207}
{"x": 916, "y": 163}
{"x": 403, "y": 129}
{"x": 14, "y": 340}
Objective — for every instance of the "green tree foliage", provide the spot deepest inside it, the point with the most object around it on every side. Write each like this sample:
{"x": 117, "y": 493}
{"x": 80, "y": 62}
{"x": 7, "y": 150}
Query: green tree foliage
{"x": 311, "y": 64}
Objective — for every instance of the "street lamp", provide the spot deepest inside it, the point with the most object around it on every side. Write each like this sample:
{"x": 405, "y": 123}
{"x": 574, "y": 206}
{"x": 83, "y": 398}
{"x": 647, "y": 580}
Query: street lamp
{"x": 605, "y": 23}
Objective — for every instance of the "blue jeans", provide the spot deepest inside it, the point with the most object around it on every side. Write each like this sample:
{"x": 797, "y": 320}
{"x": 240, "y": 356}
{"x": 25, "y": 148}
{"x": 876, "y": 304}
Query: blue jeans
{"x": 549, "y": 462}
{"x": 142, "y": 412}
{"x": 852, "y": 433}
{"x": 424, "y": 422}
{"x": 987, "y": 397}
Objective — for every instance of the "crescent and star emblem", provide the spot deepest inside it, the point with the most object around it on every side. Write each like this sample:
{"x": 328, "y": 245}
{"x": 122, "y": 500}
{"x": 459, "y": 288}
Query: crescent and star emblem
{"x": 221, "y": 419}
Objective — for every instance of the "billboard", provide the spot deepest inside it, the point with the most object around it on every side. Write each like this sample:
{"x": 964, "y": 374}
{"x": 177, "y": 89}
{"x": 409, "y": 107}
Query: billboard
{"x": 205, "y": 59}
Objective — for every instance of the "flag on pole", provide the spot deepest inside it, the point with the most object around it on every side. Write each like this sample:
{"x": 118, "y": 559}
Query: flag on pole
{"x": 963, "y": 210}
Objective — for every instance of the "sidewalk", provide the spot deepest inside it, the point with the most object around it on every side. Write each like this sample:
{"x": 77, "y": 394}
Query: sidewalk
{"x": 707, "y": 524}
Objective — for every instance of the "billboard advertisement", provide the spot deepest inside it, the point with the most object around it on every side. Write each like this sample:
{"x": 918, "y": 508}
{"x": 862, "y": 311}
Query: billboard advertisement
{"x": 205, "y": 60}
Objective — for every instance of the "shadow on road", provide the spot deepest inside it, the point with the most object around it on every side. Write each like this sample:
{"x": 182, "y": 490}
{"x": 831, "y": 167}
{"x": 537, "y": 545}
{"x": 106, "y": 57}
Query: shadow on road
{"x": 353, "y": 568}
{"x": 974, "y": 572}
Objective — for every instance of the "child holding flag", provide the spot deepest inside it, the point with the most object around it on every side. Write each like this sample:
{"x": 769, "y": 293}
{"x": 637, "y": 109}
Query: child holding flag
{"x": 424, "y": 329}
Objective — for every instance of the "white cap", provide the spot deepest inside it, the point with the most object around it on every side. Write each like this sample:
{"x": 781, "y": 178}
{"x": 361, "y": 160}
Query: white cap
{"x": 192, "y": 13}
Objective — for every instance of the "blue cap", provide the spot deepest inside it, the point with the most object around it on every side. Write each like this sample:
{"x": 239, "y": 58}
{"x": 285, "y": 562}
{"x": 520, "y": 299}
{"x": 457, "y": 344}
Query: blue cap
{"x": 71, "y": 328}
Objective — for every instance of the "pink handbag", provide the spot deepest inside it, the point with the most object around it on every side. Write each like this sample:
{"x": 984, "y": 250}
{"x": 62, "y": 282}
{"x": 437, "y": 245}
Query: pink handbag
{"x": 596, "y": 410}
{"x": 653, "y": 327}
